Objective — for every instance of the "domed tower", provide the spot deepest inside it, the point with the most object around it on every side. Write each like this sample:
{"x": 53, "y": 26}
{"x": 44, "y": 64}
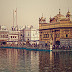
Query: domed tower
{"x": 68, "y": 14}
{"x": 42, "y": 19}
{"x": 57, "y": 18}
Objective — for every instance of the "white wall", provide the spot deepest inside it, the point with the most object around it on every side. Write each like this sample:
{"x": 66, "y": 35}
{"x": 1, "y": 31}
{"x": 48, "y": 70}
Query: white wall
{"x": 34, "y": 34}
{"x": 27, "y": 34}
{"x": 4, "y": 35}
{"x": 13, "y": 37}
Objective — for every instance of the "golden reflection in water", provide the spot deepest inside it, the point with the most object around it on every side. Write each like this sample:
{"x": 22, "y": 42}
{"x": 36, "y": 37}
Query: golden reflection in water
{"x": 51, "y": 57}
{"x": 35, "y": 61}
{"x": 44, "y": 61}
{"x": 51, "y": 61}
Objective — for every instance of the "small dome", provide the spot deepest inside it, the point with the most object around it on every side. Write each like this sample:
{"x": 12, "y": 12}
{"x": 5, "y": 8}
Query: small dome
{"x": 3, "y": 27}
{"x": 59, "y": 16}
{"x": 68, "y": 14}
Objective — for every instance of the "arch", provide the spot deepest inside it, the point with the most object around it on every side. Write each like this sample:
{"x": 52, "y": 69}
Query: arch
{"x": 3, "y": 42}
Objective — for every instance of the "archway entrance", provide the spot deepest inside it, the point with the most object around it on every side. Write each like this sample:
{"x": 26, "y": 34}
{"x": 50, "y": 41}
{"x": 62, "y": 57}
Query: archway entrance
{"x": 57, "y": 42}
{"x": 4, "y": 43}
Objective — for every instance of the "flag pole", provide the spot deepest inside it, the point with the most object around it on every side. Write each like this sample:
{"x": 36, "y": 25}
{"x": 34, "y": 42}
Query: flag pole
{"x": 13, "y": 19}
{"x": 16, "y": 19}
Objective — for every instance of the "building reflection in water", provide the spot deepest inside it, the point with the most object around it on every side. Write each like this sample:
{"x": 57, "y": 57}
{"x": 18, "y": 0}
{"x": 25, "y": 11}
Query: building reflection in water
{"x": 55, "y": 61}
{"x": 34, "y": 61}
{"x": 20, "y": 60}
{"x": 44, "y": 61}
{"x": 12, "y": 59}
{"x": 51, "y": 61}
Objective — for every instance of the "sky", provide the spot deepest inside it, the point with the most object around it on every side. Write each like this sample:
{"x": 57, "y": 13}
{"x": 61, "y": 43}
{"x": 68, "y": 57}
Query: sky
{"x": 29, "y": 11}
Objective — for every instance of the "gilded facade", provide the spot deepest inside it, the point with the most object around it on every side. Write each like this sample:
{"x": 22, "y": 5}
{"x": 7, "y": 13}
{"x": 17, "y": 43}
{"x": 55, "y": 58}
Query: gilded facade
{"x": 59, "y": 29}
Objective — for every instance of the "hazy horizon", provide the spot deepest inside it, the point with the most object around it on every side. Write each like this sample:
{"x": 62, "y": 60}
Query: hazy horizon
{"x": 29, "y": 11}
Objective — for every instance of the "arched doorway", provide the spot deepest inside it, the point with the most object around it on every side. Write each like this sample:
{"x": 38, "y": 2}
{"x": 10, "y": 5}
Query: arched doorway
{"x": 4, "y": 43}
{"x": 57, "y": 42}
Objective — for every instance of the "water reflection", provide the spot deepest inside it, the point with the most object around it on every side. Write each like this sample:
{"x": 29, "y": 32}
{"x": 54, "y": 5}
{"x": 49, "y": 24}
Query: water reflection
{"x": 34, "y": 61}
{"x": 20, "y": 60}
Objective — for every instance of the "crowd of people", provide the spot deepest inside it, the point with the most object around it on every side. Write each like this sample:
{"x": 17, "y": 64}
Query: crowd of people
{"x": 35, "y": 45}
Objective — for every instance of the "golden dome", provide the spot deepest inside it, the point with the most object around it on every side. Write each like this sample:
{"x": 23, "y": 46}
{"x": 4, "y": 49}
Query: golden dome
{"x": 59, "y": 16}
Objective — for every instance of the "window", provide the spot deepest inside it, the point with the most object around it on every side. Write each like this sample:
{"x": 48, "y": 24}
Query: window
{"x": 7, "y": 35}
{"x": 51, "y": 35}
{"x": 66, "y": 35}
{"x": 15, "y": 36}
{"x": 44, "y": 36}
{"x": 48, "y": 35}
{"x": 21, "y": 34}
{"x": 11, "y": 36}
{"x": 57, "y": 35}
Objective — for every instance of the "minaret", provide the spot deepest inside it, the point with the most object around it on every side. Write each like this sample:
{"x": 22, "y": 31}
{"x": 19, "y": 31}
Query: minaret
{"x": 16, "y": 28}
{"x": 13, "y": 21}
{"x": 16, "y": 19}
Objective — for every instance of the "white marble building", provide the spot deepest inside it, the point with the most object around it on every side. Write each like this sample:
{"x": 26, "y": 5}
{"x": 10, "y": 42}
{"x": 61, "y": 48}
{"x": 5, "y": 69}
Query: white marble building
{"x": 13, "y": 36}
{"x": 4, "y": 35}
{"x": 29, "y": 33}
{"x": 34, "y": 34}
{"x": 24, "y": 34}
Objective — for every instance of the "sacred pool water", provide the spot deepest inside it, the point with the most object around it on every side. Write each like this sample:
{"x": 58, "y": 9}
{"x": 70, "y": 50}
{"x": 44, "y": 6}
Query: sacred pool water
{"x": 20, "y": 60}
